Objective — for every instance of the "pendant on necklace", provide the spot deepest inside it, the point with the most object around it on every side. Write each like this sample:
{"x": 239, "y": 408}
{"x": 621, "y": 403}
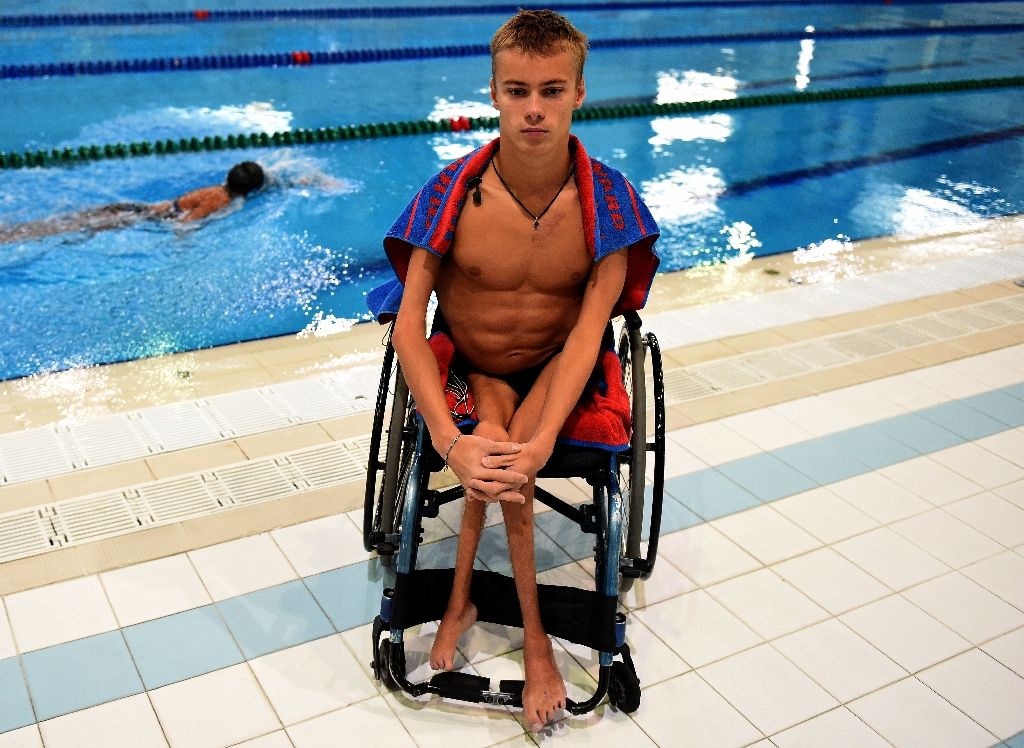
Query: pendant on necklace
{"x": 536, "y": 224}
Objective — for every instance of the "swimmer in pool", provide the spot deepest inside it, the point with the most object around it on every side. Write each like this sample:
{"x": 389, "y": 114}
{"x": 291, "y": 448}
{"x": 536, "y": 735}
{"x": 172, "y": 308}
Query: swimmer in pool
{"x": 243, "y": 178}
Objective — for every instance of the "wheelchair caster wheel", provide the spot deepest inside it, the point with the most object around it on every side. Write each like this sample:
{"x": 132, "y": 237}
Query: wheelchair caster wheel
{"x": 623, "y": 688}
{"x": 386, "y": 655}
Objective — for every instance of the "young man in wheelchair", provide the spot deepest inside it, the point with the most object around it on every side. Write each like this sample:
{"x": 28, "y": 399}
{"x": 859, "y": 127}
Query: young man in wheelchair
{"x": 530, "y": 247}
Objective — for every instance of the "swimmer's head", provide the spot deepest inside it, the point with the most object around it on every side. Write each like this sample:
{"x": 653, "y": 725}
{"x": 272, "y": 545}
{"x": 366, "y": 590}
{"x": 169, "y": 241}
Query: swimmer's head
{"x": 244, "y": 178}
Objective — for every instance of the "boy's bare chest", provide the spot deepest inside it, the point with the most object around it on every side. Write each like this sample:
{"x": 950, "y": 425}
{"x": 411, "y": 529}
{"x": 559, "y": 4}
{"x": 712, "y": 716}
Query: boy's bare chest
{"x": 497, "y": 246}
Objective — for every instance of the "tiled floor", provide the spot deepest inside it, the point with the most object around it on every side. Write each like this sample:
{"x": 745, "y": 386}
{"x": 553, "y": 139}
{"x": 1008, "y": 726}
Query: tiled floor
{"x": 841, "y": 568}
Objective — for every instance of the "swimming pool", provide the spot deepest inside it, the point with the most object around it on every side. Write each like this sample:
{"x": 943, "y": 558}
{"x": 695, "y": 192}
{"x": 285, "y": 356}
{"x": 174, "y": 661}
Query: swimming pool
{"x": 721, "y": 184}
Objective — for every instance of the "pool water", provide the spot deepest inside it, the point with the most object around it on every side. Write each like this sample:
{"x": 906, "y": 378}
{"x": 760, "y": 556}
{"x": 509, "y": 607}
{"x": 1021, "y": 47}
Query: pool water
{"x": 301, "y": 255}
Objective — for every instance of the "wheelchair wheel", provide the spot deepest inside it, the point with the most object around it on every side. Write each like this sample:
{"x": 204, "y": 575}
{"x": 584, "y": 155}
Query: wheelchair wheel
{"x": 623, "y": 688}
{"x": 387, "y": 654}
{"x": 632, "y": 355}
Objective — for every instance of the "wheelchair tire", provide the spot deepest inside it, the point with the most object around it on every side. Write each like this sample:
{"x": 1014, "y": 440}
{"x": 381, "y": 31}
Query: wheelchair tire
{"x": 623, "y": 688}
{"x": 397, "y": 451}
{"x": 386, "y": 655}
{"x": 631, "y": 352}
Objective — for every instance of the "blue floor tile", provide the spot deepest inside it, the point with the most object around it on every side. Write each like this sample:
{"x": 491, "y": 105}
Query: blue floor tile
{"x": 820, "y": 461}
{"x": 870, "y": 446}
{"x": 567, "y": 534}
{"x": 15, "y": 708}
{"x": 493, "y": 549}
{"x": 768, "y": 477}
{"x": 80, "y": 674}
{"x": 999, "y": 405}
{"x": 918, "y": 433}
{"x": 709, "y": 494}
{"x": 1017, "y": 741}
{"x": 350, "y": 595}
{"x": 181, "y": 646}
{"x": 1015, "y": 390}
{"x": 963, "y": 421}
{"x": 273, "y": 619}
{"x": 674, "y": 516}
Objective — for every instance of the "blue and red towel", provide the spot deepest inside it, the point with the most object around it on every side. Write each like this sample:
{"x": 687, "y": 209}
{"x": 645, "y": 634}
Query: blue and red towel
{"x": 614, "y": 217}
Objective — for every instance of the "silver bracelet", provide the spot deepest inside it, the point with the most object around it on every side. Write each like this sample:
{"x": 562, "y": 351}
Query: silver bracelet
{"x": 450, "y": 448}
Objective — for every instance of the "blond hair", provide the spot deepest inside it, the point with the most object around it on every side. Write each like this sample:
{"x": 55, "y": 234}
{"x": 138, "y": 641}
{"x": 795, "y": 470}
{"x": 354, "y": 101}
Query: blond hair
{"x": 541, "y": 33}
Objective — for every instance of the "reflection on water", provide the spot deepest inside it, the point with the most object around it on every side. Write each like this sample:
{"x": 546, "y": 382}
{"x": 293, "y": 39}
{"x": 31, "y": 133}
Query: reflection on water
{"x": 667, "y": 130}
{"x": 683, "y": 196}
{"x": 825, "y": 261}
{"x": 803, "y": 63}
{"x": 694, "y": 85}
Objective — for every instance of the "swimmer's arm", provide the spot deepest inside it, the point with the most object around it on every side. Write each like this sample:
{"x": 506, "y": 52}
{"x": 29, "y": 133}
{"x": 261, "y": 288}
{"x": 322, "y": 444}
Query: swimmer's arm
{"x": 575, "y": 363}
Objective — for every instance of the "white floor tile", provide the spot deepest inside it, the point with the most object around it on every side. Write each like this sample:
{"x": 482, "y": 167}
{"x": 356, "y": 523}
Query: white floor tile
{"x": 824, "y": 515}
{"x": 767, "y": 689}
{"x": 931, "y": 481}
{"x": 1009, "y": 650}
{"x": 1014, "y": 492}
{"x": 766, "y": 428}
{"x": 687, "y": 711}
{"x": 213, "y": 710}
{"x": 7, "y": 648}
{"x": 837, "y": 729}
{"x": 946, "y": 538}
{"x": 705, "y": 555}
{"x": 654, "y": 660}
{"x": 358, "y": 641}
{"x": 839, "y": 660}
{"x": 986, "y": 370}
{"x": 766, "y": 534}
{"x": 434, "y": 723}
{"x": 311, "y": 679}
{"x": 698, "y": 628}
{"x": 910, "y": 714}
{"x": 991, "y": 514}
{"x": 879, "y": 497}
{"x": 1002, "y": 574}
{"x": 985, "y": 690}
{"x": 486, "y": 640}
{"x": 665, "y": 582}
{"x": 1008, "y": 445}
{"x": 966, "y": 607}
{"x": 59, "y": 613}
{"x": 949, "y": 382}
{"x": 366, "y": 723}
{"x": 678, "y": 460}
{"x": 321, "y": 545}
{"x": 241, "y": 566}
{"x": 129, "y": 721}
{"x": 816, "y": 416}
{"x": 911, "y": 395}
{"x": 26, "y": 737}
{"x": 766, "y": 603}
{"x": 891, "y": 558}
{"x": 714, "y": 443}
{"x": 862, "y": 404}
{"x": 602, "y": 728}
{"x": 830, "y": 580}
{"x": 908, "y": 635}
{"x": 155, "y": 589}
{"x": 278, "y": 739}
{"x": 979, "y": 465}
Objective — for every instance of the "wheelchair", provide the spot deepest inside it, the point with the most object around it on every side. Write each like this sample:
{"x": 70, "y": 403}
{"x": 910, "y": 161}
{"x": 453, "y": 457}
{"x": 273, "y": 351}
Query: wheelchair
{"x": 399, "y": 497}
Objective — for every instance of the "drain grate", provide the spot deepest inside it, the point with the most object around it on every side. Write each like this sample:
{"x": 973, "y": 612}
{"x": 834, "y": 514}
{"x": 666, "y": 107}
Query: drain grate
{"x": 748, "y": 370}
{"x": 114, "y": 513}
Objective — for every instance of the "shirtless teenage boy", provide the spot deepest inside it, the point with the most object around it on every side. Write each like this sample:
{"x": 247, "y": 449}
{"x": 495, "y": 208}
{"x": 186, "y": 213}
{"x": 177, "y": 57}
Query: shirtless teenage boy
{"x": 526, "y": 307}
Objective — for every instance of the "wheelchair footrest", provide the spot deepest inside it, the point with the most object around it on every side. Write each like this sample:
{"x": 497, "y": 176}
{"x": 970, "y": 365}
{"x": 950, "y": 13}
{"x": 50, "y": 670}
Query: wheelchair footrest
{"x": 460, "y": 682}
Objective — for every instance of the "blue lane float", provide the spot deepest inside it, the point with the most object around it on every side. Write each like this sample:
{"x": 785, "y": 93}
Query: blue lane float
{"x": 301, "y": 58}
{"x": 289, "y": 14}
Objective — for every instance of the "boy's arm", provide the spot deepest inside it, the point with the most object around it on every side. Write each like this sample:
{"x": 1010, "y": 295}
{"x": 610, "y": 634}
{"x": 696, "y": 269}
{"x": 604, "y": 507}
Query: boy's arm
{"x": 576, "y": 361}
{"x": 421, "y": 374}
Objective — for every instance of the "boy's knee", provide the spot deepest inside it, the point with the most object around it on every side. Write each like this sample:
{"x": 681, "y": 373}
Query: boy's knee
{"x": 491, "y": 430}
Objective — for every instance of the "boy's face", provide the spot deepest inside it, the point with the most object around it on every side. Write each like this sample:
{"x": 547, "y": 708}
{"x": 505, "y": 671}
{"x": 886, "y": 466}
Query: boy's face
{"x": 535, "y": 98}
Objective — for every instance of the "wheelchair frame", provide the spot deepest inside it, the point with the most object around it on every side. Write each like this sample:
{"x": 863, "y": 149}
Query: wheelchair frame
{"x": 395, "y": 506}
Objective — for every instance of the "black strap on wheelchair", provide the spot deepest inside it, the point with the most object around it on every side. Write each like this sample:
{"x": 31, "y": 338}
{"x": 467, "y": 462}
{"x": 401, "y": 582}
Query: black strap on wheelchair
{"x": 580, "y": 616}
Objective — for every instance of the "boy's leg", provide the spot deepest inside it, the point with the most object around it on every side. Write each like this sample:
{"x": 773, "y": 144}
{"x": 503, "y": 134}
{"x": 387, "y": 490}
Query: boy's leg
{"x": 544, "y": 693}
{"x": 495, "y": 404}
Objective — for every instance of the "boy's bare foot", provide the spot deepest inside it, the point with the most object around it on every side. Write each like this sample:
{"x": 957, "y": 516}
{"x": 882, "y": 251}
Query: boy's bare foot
{"x": 453, "y": 625}
{"x": 544, "y": 693}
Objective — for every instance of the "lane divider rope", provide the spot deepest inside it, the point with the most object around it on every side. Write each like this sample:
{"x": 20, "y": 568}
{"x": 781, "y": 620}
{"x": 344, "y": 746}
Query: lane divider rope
{"x": 301, "y": 136}
{"x": 275, "y": 14}
{"x": 301, "y": 58}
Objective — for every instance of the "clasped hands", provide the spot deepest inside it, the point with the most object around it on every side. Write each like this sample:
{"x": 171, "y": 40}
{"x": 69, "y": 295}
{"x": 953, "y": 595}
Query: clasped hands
{"x": 496, "y": 471}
